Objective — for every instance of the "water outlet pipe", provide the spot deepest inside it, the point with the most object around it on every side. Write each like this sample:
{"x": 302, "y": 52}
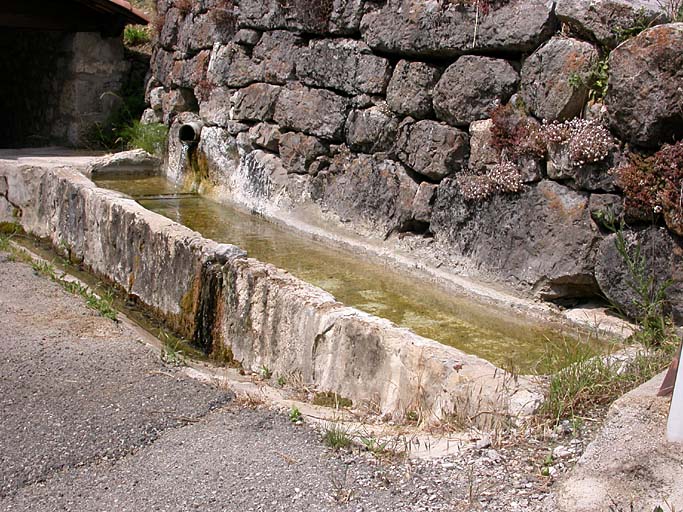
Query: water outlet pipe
{"x": 189, "y": 133}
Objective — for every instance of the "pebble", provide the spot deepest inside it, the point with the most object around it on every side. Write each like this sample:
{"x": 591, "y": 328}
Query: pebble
{"x": 561, "y": 451}
{"x": 482, "y": 443}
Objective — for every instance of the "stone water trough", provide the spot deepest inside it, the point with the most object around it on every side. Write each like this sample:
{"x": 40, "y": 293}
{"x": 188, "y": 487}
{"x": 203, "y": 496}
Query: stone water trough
{"x": 251, "y": 312}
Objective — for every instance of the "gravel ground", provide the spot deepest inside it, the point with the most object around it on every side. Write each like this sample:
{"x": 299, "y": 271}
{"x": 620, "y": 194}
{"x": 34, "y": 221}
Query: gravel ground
{"x": 92, "y": 420}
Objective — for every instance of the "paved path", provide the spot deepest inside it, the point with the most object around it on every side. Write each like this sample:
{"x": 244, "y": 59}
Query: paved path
{"x": 92, "y": 420}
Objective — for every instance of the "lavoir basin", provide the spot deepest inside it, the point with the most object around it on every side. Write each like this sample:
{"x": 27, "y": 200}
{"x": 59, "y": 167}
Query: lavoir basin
{"x": 507, "y": 340}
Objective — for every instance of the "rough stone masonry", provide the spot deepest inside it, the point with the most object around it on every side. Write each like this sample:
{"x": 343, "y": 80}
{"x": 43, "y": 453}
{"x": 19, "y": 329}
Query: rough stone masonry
{"x": 371, "y": 115}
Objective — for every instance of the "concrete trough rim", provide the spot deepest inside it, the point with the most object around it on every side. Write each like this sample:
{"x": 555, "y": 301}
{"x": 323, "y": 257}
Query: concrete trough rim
{"x": 456, "y": 371}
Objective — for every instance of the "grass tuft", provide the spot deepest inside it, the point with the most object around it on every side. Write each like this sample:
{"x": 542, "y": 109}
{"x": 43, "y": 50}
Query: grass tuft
{"x": 336, "y": 436}
{"x": 587, "y": 381}
{"x": 103, "y": 304}
{"x": 150, "y": 137}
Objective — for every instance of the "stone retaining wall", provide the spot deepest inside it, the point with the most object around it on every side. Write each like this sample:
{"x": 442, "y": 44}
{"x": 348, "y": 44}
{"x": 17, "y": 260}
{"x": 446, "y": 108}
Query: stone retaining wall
{"x": 257, "y": 314}
{"x": 367, "y": 114}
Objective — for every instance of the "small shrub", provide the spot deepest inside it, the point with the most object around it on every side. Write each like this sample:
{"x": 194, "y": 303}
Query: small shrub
{"x": 515, "y": 133}
{"x": 135, "y": 35}
{"x": 654, "y": 185}
{"x": 502, "y": 178}
{"x": 150, "y": 137}
{"x": 587, "y": 141}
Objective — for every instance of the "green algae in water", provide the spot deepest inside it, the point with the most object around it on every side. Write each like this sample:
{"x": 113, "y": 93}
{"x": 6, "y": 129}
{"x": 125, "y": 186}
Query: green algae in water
{"x": 488, "y": 332}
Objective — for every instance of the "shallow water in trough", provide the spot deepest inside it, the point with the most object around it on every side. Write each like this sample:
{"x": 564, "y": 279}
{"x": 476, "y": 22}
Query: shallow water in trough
{"x": 505, "y": 339}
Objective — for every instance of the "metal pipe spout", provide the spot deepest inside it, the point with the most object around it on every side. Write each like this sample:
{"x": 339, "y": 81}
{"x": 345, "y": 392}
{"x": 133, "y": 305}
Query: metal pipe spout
{"x": 189, "y": 133}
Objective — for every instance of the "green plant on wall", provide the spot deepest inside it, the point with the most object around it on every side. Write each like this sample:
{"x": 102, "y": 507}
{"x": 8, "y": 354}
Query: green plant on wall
{"x": 597, "y": 86}
{"x": 641, "y": 21}
{"x": 135, "y": 35}
{"x": 596, "y": 81}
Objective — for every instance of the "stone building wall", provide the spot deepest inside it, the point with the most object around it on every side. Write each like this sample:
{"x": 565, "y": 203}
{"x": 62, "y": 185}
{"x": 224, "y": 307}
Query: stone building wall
{"x": 376, "y": 116}
{"x": 55, "y": 85}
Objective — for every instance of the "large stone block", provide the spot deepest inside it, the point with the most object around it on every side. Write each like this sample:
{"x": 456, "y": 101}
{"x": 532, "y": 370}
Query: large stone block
{"x": 312, "y": 111}
{"x": 471, "y": 87}
{"x": 189, "y": 73}
{"x": 432, "y": 149}
{"x": 176, "y": 101}
{"x": 255, "y": 103}
{"x": 168, "y": 35}
{"x": 423, "y": 202}
{"x": 266, "y": 136}
{"x": 593, "y": 176}
{"x": 278, "y": 53}
{"x": 555, "y": 77}
{"x": 216, "y": 109}
{"x": 483, "y": 155}
{"x": 319, "y": 17}
{"x": 161, "y": 66}
{"x": 298, "y": 151}
{"x": 135, "y": 161}
{"x": 375, "y": 194}
{"x": 445, "y": 29}
{"x": 410, "y": 90}
{"x": 371, "y": 130}
{"x": 231, "y": 66}
{"x": 606, "y": 21}
{"x": 156, "y": 98}
{"x": 543, "y": 237}
{"x": 644, "y": 94}
{"x": 343, "y": 64}
{"x": 663, "y": 256}
{"x": 201, "y": 31}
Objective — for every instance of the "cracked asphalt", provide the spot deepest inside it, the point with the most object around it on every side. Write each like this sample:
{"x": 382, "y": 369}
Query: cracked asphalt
{"x": 91, "y": 419}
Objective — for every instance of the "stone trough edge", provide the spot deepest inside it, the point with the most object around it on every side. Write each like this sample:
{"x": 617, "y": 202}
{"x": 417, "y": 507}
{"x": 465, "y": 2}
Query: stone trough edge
{"x": 261, "y": 315}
